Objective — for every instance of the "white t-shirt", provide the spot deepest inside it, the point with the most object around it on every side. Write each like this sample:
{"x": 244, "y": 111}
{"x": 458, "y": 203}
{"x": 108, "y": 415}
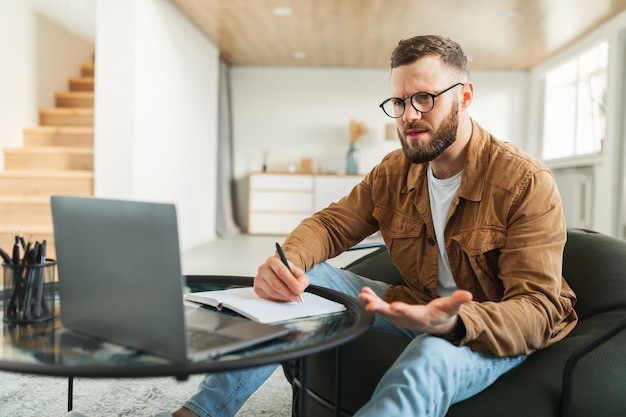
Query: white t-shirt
{"x": 441, "y": 193}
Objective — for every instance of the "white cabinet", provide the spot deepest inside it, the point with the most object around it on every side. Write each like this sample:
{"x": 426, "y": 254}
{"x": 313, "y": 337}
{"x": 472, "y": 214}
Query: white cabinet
{"x": 278, "y": 202}
{"x": 331, "y": 188}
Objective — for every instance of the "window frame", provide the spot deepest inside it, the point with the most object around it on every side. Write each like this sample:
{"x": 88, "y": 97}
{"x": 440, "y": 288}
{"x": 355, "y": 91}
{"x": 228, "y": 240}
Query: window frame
{"x": 576, "y": 84}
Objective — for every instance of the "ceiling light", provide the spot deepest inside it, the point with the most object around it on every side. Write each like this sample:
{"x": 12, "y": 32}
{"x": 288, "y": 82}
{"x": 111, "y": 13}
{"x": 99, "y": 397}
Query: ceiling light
{"x": 282, "y": 11}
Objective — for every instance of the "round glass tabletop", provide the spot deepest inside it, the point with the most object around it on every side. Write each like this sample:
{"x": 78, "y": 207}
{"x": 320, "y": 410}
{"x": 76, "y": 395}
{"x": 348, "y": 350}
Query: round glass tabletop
{"x": 48, "y": 348}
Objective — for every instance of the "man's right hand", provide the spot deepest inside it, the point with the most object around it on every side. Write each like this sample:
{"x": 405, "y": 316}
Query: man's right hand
{"x": 273, "y": 281}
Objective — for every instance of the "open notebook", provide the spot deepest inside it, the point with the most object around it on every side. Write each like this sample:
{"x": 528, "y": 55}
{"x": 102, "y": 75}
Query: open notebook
{"x": 245, "y": 302}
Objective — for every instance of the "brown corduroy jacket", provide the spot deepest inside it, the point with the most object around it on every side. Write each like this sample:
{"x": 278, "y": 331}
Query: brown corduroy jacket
{"x": 504, "y": 237}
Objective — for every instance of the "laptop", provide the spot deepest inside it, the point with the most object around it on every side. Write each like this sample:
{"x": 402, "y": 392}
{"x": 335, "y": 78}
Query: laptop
{"x": 120, "y": 280}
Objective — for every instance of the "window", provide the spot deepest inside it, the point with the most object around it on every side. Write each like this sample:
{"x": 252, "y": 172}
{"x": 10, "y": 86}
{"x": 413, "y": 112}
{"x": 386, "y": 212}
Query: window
{"x": 575, "y": 93}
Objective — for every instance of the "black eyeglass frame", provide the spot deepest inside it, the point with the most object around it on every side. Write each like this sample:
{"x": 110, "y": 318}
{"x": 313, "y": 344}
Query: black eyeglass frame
{"x": 432, "y": 96}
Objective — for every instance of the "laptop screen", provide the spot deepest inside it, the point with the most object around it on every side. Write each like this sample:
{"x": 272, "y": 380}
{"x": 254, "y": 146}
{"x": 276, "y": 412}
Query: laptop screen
{"x": 120, "y": 272}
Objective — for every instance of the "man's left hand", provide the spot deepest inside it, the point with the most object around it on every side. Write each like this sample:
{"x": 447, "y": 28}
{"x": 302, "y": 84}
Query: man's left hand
{"x": 437, "y": 317}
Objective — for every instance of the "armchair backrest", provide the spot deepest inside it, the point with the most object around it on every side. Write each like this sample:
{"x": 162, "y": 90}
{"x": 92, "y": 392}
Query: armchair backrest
{"x": 594, "y": 265}
{"x": 377, "y": 265}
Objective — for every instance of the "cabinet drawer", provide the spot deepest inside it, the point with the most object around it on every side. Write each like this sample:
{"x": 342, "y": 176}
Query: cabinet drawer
{"x": 275, "y": 201}
{"x": 265, "y": 223}
{"x": 281, "y": 182}
{"x": 329, "y": 189}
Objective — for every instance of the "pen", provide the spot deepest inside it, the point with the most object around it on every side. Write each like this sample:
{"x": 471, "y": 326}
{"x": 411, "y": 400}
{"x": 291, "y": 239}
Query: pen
{"x": 40, "y": 259}
{"x": 282, "y": 258}
{"x": 21, "y": 239}
{"x": 5, "y": 256}
{"x": 16, "y": 252}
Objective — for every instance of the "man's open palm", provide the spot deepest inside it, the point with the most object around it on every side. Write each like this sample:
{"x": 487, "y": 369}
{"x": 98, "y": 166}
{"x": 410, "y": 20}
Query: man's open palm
{"x": 437, "y": 317}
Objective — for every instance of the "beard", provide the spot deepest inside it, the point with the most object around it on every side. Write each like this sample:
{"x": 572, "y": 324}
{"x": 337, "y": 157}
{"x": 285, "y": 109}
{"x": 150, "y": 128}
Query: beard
{"x": 441, "y": 139}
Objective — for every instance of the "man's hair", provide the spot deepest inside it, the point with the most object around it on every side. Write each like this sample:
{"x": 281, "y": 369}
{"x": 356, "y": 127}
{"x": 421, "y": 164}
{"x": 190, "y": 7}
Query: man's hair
{"x": 448, "y": 51}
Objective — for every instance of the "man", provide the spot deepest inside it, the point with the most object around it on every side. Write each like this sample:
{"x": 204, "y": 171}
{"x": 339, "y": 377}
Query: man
{"x": 475, "y": 227}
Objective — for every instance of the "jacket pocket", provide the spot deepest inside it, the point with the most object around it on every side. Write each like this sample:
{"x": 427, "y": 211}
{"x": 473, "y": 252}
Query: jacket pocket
{"x": 402, "y": 236}
{"x": 396, "y": 224}
{"x": 481, "y": 249}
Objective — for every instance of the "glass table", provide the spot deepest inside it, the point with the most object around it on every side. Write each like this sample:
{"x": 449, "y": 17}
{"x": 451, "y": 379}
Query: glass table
{"x": 50, "y": 349}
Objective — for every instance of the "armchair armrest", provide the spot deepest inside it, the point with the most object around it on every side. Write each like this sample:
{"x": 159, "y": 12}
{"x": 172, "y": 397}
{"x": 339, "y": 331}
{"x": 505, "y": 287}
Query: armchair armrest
{"x": 575, "y": 357}
{"x": 371, "y": 245}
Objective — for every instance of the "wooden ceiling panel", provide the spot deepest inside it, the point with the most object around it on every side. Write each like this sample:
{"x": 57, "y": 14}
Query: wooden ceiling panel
{"x": 495, "y": 34}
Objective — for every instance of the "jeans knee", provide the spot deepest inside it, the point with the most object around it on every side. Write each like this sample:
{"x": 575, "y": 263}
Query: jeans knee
{"x": 438, "y": 358}
{"x": 319, "y": 273}
{"x": 432, "y": 347}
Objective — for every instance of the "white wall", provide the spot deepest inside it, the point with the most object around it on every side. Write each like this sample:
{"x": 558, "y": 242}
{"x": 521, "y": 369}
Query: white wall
{"x": 18, "y": 90}
{"x": 295, "y": 113}
{"x": 500, "y": 104}
{"x": 305, "y": 112}
{"x": 76, "y": 16}
{"x": 60, "y": 54}
{"x": 156, "y": 112}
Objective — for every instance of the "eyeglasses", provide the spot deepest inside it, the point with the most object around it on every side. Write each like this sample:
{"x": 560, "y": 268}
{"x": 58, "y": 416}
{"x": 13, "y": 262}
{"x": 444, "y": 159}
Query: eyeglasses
{"x": 422, "y": 102}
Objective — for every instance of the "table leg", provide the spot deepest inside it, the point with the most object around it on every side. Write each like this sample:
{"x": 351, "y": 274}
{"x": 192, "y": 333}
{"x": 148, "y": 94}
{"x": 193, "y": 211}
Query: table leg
{"x": 338, "y": 382}
{"x": 303, "y": 362}
{"x": 70, "y": 393}
{"x": 302, "y": 393}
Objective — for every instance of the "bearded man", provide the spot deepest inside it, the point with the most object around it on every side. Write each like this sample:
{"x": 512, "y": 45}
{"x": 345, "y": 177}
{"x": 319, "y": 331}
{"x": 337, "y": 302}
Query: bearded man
{"x": 475, "y": 227}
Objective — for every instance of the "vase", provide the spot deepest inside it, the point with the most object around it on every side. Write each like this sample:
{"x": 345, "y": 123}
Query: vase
{"x": 352, "y": 162}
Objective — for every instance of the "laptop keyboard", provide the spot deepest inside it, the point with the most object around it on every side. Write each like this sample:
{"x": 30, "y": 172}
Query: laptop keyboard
{"x": 202, "y": 339}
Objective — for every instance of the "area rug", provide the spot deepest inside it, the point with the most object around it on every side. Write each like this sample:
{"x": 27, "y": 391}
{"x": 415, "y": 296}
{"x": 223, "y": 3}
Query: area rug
{"x": 41, "y": 396}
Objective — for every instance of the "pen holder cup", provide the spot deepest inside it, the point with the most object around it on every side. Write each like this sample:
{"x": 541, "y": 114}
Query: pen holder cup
{"x": 29, "y": 292}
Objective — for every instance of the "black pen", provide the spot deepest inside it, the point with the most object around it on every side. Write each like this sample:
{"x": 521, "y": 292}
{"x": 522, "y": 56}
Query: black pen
{"x": 6, "y": 257}
{"x": 40, "y": 259}
{"x": 282, "y": 258}
{"x": 16, "y": 252}
{"x": 22, "y": 241}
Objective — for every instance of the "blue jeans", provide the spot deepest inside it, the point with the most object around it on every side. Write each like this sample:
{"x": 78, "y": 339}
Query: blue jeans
{"x": 427, "y": 378}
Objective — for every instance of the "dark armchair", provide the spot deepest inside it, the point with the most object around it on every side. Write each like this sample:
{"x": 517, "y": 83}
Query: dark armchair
{"x": 582, "y": 375}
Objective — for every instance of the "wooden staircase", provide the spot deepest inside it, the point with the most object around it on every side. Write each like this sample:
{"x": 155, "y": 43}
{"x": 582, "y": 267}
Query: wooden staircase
{"x": 57, "y": 158}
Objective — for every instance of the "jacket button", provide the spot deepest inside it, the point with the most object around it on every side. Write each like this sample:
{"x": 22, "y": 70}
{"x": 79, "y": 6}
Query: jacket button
{"x": 431, "y": 241}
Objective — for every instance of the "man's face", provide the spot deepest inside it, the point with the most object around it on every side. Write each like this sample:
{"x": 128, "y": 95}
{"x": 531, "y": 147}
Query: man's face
{"x": 425, "y": 136}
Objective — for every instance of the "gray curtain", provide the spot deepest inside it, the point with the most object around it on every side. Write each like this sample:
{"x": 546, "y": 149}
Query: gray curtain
{"x": 225, "y": 221}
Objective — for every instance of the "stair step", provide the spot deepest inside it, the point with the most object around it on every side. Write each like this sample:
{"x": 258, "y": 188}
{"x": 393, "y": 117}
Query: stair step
{"x": 58, "y": 136}
{"x": 81, "y": 83}
{"x": 87, "y": 70}
{"x": 31, "y": 234}
{"x": 46, "y": 182}
{"x": 74, "y": 99}
{"x": 29, "y": 210}
{"x": 49, "y": 157}
{"x": 66, "y": 117}
{"x": 57, "y": 158}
